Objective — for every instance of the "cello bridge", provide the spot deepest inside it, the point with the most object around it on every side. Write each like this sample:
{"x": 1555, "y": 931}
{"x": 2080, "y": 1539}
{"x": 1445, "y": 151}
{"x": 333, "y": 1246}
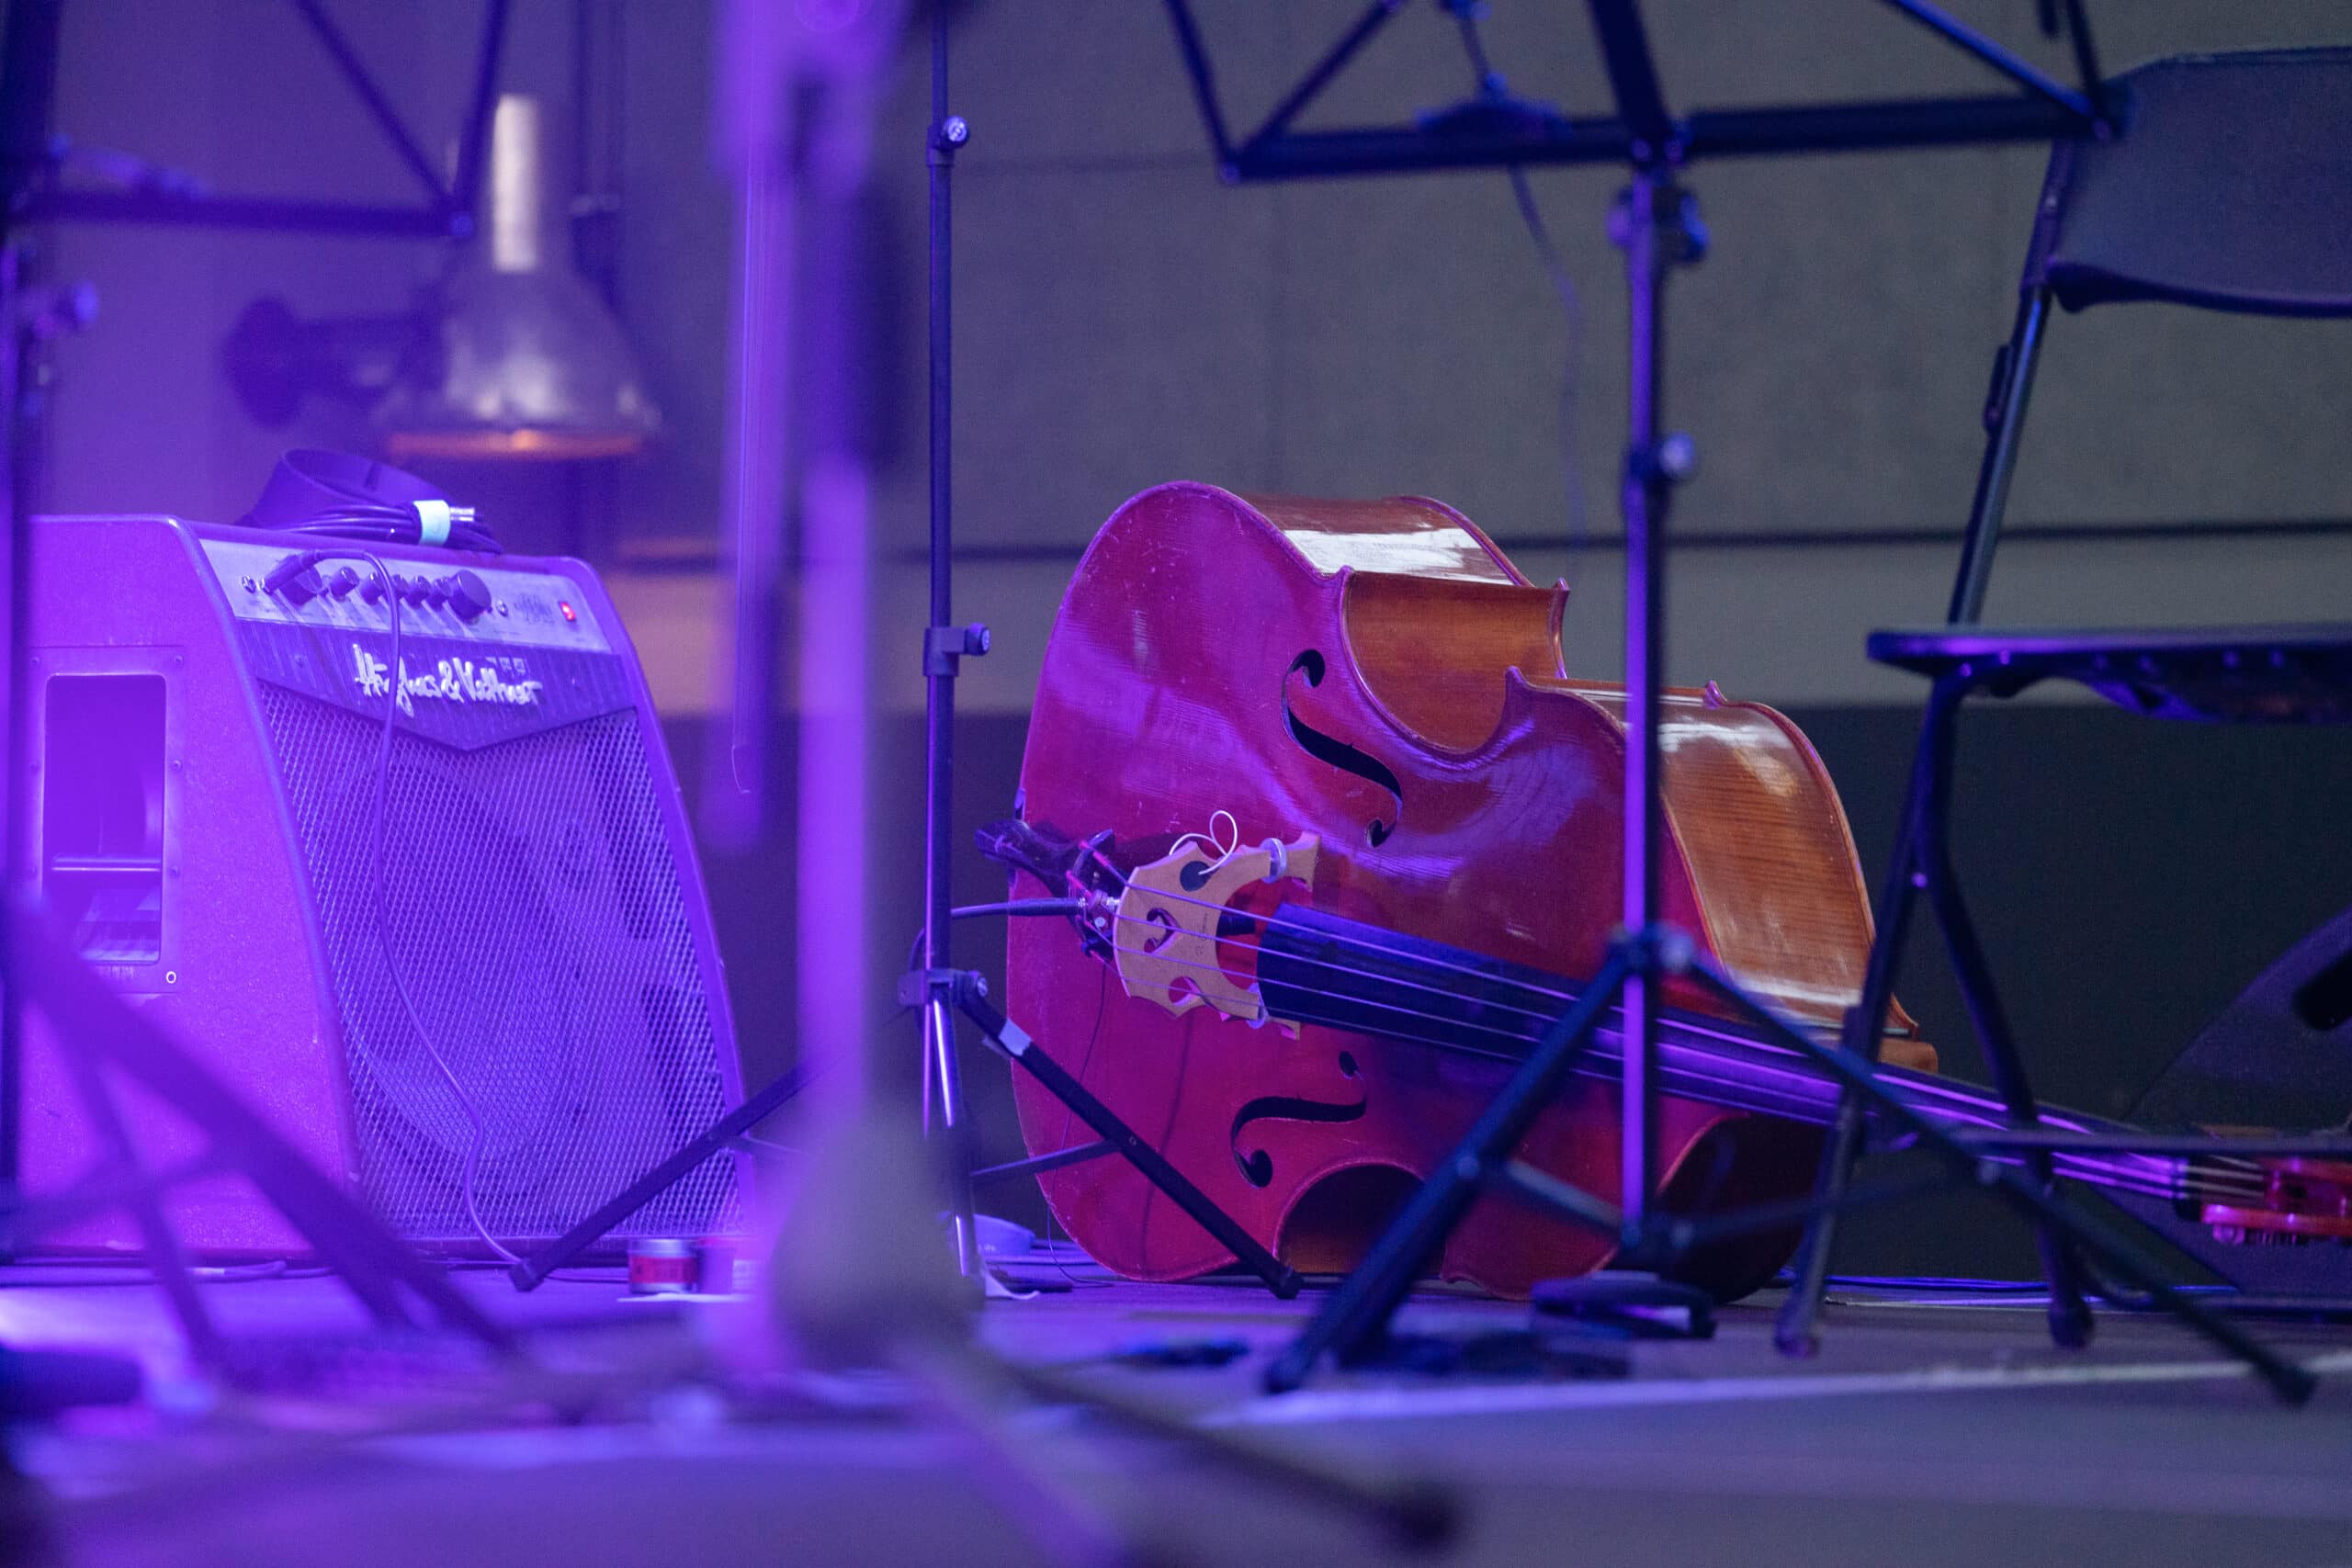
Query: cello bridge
{"x": 1165, "y": 929}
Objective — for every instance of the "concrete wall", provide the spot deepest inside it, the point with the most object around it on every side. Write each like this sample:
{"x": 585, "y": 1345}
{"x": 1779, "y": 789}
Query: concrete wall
{"x": 1124, "y": 319}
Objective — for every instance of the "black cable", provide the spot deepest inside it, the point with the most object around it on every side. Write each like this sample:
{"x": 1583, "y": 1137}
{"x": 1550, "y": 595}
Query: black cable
{"x": 1497, "y": 92}
{"x": 381, "y": 814}
{"x": 1009, "y": 907}
{"x": 400, "y": 526}
{"x": 1466, "y": 13}
{"x": 1572, "y": 308}
{"x": 1019, "y": 907}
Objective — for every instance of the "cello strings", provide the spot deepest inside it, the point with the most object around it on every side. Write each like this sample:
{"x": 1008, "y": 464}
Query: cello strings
{"x": 1551, "y": 994}
{"x": 2152, "y": 1175}
{"x": 2178, "y": 1176}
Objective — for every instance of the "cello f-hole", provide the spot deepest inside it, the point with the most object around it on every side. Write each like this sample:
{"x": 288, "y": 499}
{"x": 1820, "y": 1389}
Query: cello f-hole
{"x": 1258, "y": 1165}
{"x": 1338, "y": 754}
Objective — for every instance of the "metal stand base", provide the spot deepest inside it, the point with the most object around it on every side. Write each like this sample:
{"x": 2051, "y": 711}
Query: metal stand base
{"x": 1354, "y": 1325}
{"x": 1627, "y": 1304}
{"x": 2064, "y": 1228}
{"x": 1655, "y": 224}
{"x": 1010, "y": 1041}
{"x": 728, "y": 1130}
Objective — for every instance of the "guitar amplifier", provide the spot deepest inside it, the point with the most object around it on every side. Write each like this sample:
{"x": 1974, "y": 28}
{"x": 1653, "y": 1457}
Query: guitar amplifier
{"x": 521, "y": 981}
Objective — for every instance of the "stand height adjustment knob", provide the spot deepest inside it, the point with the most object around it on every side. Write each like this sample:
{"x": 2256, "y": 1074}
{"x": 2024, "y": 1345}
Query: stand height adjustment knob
{"x": 469, "y": 594}
{"x": 1678, "y": 457}
{"x": 1670, "y": 459}
{"x": 943, "y": 647}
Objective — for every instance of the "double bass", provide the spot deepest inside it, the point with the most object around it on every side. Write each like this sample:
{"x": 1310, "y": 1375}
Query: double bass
{"x": 1338, "y": 830}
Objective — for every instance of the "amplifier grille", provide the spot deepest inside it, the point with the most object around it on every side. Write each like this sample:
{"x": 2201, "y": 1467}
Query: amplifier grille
{"x": 534, "y": 909}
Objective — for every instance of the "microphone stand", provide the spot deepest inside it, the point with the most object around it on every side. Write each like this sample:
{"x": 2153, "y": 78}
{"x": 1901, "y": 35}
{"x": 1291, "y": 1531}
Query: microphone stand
{"x": 1655, "y": 224}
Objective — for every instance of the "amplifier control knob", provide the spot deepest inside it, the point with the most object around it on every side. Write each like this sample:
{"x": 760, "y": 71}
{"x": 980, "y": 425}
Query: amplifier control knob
{"x": 469, "y": 594}
{"x": 433, "y": 591}
{"x": 344, "y": 581}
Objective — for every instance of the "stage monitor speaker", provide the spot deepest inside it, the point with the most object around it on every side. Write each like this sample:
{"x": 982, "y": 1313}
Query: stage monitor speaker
{"x": 205, "y": 744}
{"x": 2278, "y": 1057}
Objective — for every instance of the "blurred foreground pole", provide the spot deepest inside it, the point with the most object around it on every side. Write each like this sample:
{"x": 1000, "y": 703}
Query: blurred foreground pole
{"x": 798, "y": 81}
{"x": 855, "y": 1275}
{"x": 28, "y": 42}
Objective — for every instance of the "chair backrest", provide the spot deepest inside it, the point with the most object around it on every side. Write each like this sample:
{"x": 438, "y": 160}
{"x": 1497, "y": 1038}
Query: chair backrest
{"x": 2228, "y": 185}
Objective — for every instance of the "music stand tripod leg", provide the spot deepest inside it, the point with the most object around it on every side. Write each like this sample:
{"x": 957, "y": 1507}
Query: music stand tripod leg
{"x": 942, "y": 1073}
{"x": 111, "y": 1035}
{"x": 2029, "y": 1195}
{"x": 532, "y": 1270}
{"x": 167, "y": 1257}
{"x": 1010, "y": 1041}
{"x": 1356, "y": 1317}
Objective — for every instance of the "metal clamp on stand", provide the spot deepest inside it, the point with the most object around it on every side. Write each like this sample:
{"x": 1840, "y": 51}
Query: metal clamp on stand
{"x": 969, "y": 992}
{"x": 945, "y": 648}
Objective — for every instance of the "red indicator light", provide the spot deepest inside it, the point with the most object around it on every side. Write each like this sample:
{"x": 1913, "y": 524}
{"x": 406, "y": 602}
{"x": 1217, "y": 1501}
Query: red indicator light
{"x": 569, "y": 613}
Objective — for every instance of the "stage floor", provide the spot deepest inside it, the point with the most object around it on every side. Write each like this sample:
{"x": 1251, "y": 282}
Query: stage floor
{"x": 1942, "y": 1430}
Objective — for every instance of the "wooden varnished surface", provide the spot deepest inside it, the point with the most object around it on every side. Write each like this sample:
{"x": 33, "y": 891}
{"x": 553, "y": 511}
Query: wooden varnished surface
{"x": 1480, "y": 805}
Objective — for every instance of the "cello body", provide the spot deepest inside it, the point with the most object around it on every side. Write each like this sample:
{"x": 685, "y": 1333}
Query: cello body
{"x": 1378, "y": 675}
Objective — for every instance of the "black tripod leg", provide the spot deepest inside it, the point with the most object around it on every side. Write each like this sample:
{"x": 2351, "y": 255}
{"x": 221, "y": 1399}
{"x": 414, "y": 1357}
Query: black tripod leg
{"x": 528, "y": 1274}
{"x": 2029, "y": 1196}
{"x": 1355, "y": 1318}
{"x": 1797, "y": 1332}
{"x": 1014, "y": 1043}
{"x": 165, "y": 1256}
{"x": 109, "y": 1033}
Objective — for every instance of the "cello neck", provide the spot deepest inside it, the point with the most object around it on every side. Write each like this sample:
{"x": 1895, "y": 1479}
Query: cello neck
{"x": 1317, "y": 968}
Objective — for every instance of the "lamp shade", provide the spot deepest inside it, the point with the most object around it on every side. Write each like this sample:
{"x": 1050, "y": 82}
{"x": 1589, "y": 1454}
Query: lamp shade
{"x": 520, "y": 359}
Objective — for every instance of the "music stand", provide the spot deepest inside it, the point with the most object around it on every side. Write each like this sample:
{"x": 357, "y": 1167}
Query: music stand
{"x": 1655, "y": 224}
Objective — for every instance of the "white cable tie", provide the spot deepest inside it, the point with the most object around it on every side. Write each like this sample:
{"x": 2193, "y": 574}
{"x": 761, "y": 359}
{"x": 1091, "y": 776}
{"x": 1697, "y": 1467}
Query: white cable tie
{"x": 432, "y": 522}
{"x": 1214, "y": 839}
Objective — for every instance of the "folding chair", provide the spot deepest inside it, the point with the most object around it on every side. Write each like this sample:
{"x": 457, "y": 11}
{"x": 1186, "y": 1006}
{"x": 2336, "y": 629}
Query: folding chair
{"x": 2227, "y": 186}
